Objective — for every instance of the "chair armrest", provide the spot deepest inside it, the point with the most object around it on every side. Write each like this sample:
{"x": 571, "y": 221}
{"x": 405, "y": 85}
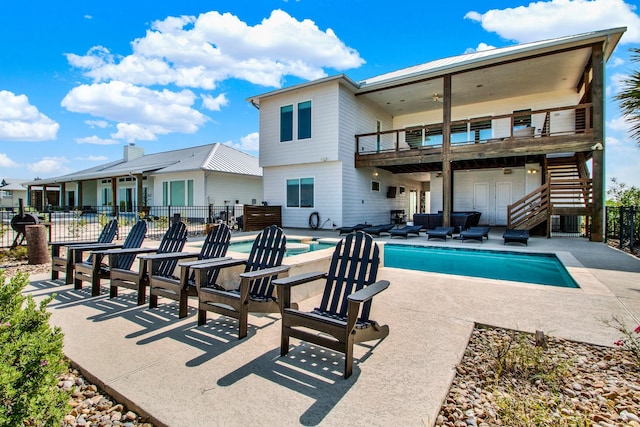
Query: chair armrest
{"x": 169, "y": 256}
{"x": 365, "y": 294}
{"x": 194, "y": 264}
{"x": 266, "y": 272}
{"x": 219, "y": 263}
{"x": 93, "y": 246}
{"x": 129, "y": 251}
{"x": 71, "y": 242}
{"x": 299, "y": 279}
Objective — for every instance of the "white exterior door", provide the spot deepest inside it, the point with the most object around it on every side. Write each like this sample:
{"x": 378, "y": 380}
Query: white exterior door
{"x": 503, "y": 200}
{"x": 481, "y": 200}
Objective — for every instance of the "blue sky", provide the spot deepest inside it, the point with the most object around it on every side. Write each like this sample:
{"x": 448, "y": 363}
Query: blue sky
{"x": 80, "y": 79}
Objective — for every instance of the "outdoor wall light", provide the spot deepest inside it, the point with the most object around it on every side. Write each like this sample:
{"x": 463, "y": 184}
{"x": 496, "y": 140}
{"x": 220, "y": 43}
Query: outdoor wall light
{"x": 532, "y": 170}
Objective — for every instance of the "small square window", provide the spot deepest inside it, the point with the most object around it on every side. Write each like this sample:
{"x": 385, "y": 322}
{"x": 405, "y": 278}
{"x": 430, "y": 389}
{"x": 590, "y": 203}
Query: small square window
{"x": 375, "y": 186}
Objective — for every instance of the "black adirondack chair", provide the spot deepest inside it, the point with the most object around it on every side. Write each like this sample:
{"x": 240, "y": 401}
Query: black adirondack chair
{"x": 95, "y": 270}
{"x": 124, "y": 277}
{"x": 74, "y": 250}
{"x": 342, "y": 318}
{"x": 255, "y": 292}
{"x": 180, "y": 288}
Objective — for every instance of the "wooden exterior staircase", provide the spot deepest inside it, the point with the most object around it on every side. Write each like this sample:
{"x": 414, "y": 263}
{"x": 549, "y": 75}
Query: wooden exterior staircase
{"x": 568, "y": 191}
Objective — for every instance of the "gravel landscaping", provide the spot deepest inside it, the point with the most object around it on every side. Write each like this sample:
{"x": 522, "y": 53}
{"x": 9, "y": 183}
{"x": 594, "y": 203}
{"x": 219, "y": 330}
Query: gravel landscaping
{"x": 504, "y": 379}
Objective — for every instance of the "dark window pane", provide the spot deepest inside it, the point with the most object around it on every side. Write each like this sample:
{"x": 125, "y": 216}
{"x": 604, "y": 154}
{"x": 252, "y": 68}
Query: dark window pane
{"x": 304, "y": 120}
{"x": 293, "y": 193}
{"x": 286, "y": 123}
{"x": 306, "y": 192}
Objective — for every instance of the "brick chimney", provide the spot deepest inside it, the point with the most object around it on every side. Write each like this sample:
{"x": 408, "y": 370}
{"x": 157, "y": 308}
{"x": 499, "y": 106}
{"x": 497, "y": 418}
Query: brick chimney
{"x": 131, "y": 152}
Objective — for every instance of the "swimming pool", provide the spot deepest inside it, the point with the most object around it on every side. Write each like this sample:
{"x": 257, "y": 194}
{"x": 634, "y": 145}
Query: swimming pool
{"x": 542, "y": 269}
{"x": 294, "y": 247}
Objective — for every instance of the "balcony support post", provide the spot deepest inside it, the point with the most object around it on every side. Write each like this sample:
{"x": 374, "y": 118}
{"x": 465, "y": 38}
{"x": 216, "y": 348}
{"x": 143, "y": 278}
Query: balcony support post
{"x": 597, "y": 85}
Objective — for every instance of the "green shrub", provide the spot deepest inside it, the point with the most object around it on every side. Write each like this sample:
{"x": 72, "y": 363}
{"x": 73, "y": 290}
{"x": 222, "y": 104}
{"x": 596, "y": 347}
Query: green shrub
{"x": 32, "y": 358}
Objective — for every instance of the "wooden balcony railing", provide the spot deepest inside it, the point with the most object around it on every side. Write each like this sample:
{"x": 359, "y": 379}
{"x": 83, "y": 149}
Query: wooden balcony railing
{"x": 560, "y": 121}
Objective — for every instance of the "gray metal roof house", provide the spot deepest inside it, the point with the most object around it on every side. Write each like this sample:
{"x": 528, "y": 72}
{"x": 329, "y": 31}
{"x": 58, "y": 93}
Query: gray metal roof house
{"x": 207, "y": 175}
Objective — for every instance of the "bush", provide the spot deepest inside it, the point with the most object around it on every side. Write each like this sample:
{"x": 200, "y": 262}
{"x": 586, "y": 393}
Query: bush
{"x": 32, "y": 358}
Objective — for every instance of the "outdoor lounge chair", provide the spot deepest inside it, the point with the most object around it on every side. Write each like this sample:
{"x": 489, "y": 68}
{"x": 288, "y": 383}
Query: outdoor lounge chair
{"x": 516, "y": 236}
{"x": 405, "y": 231}
{"x": 377, "y": 229}
{"x": 342, "y": 318}
{"x": 255, "y": 292}
{"x": 172, "y": 243}
{"x": 164, "y": 284}
{"x": 95, "y": 270}
{"x": 475, "y": 233}
{"x": 75, "y": 249}
{"x": 347, "y": 230}
{"x": 440, "y": 233}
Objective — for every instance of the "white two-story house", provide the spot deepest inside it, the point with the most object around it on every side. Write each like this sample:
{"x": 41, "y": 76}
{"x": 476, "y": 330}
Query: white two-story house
{"x": 516, "y": 133}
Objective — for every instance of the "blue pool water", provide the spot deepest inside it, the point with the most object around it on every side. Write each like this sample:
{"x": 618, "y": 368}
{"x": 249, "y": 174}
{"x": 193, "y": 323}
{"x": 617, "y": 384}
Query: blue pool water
{"x": 245, "y": 247}
{"x": 544, "y": 269}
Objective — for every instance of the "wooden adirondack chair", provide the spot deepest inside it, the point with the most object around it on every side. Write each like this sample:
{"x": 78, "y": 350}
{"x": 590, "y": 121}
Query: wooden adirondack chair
{"x": 172, "y": 242}
{"x": 255, "y": 293}
{"x": 95, "y": 270}
{"x": 342, "y": 318}
{"x": 180, "y": 288}
{"x": 76, "y": 249}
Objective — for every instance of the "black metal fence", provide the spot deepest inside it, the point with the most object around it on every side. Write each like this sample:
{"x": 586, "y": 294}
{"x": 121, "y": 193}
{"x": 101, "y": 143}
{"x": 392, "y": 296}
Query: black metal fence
{"x": 623, "y": 225}
{"x": 86, "y": 223}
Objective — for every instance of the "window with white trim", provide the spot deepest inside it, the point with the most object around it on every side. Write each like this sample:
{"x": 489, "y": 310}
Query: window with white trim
{"x": 177, "y": 193}
{"x": 295, "y": 121}
{"x": 300, "y": 193}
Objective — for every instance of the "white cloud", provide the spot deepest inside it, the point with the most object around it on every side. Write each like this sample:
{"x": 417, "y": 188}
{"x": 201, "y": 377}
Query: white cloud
{"x": 555, "y": 18}
{"x": 21, "y": 121}
{"x": 135, "y": 132}
{"x": 615, "y": 61}
{"x": 93, "y": 158}
{"x": 618, "y": 124}
{"x": 6, "y": 162}
{"x": 617, "y": 84}
{"x": 201, "y": 51}
{"x": 480, "y": 48}
{"x": 249, "y": 143}
{"x": 214, "y": 104}
{"x": 97, "y": 123}
{"x": 50, "y": 166}
{"x": 141, "y": 113}
{"x": 96, "y": 140}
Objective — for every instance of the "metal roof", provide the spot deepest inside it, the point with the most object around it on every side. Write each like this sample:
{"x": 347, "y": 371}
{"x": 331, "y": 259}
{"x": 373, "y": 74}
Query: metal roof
{"x": 486, "y": 57}
{"x": 463, "y": 62}
{"x": 213, "y": 157}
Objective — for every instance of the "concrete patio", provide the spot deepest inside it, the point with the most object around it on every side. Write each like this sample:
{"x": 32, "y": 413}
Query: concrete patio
{"x": 184, "y": 375}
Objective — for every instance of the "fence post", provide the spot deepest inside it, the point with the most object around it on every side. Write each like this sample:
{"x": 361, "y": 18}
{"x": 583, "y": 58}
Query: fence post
{"x": 621, "y": 227}
{"x": 632, "y": 216}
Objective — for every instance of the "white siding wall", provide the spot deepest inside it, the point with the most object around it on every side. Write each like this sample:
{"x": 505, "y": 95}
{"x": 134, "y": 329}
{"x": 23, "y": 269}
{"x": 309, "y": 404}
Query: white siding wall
{"x": 463, "y": 188}
{"x": 230, "y": 187}
{"x": 321, "y": 147}
{"x": 327, "y": 192}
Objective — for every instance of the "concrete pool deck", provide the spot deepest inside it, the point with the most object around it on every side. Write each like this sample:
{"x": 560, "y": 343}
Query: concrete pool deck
{"x": 184, "y": 375}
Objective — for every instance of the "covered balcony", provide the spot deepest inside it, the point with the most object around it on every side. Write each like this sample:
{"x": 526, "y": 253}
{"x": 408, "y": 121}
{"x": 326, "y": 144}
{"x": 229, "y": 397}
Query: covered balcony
{"x": 490, "y": 141}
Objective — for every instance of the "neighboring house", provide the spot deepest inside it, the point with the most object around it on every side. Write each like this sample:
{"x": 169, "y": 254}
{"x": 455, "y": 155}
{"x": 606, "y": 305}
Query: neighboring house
{"x": 11, "y": 191}
{"x": 516, "y": 133}
{"x": 204, "y": 176}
